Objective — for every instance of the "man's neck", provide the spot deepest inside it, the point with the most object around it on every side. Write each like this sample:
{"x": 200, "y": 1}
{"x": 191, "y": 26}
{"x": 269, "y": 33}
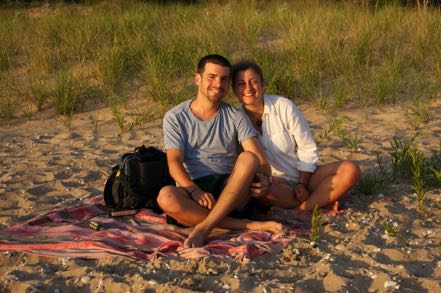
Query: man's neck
{"x": 204, "y": 109}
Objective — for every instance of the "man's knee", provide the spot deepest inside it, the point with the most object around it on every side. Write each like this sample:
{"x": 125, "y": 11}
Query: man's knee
{"x": 351, "y": 172}
{"x": 168, "y": 199}
{"x": 248, "y": 161}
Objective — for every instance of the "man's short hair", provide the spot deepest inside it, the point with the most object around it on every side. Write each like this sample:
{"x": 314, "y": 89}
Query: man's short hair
{"x": 213, "y": 58}
{"x": 245, "y": 65}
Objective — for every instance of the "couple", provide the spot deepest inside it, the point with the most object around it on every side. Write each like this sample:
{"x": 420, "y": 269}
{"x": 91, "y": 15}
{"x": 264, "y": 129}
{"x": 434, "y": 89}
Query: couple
{"x": 221, "y": 157}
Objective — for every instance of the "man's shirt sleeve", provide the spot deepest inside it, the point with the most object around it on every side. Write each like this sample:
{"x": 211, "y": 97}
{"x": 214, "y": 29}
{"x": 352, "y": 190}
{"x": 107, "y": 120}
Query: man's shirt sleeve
{"x": 245, "y": 129}
{"x": 173, "y": 138}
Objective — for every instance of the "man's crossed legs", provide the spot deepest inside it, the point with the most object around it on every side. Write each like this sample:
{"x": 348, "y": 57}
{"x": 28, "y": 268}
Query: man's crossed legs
{"x": 176, "y": 202}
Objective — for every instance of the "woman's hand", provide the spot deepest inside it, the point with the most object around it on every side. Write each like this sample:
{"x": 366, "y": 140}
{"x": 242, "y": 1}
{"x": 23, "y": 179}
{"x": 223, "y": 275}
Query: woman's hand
{"x": 260, "y": 185}
{"x": 301, "y": 193}
{"x": 203, "y": 198}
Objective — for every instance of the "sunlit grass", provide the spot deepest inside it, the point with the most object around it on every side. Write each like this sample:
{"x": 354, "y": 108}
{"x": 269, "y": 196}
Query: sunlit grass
{"x": 330, "y": 53}
{"x": 7, "y": 109}
{"x": 67, "y": 94}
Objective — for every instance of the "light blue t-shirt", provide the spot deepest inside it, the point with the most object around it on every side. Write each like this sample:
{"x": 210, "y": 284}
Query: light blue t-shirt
{"x": 210, "y": 147}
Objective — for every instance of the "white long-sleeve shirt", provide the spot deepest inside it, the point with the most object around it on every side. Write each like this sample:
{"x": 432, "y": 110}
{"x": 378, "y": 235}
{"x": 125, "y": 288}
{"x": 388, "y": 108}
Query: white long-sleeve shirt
{"x": 286, "y": 139}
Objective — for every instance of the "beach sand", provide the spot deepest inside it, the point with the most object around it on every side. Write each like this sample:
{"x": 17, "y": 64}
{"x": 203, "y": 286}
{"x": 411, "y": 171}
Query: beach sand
{"x": 44, "y": 165}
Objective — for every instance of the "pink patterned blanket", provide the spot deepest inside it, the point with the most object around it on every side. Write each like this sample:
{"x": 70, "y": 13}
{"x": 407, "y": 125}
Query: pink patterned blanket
{"x": 66, "y": 232}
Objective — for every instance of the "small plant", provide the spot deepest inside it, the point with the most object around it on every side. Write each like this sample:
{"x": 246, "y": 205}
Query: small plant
{"x": 67, "y": 120}
{"x": 5, "y": 60}
{"x": 401, "y": 154}
{"x": 334, "y": 125}
{"x": 316, "y": 224}
{"x": 390, "y": 229}
{"x": 94, "y": 119}
{"x": 118, "y": 116}
{"x": 385, "y": 175}
{"x": 321, "y": 102}
{"x": 66, "y": 94}
{"x": 139, "y": 118}
{"x": 349, "y": 138}
{"x": 419, "y": 113}
{"x": 385, "y": 88}
{"x": 432, "y": 170}
{"x": 370, "y": 183}
{"x": 113, "y": 69}
{"x": 120, "y": 120}
{"x": 7, "y": 109}
{"x": 38, "y": 95}
{"x": 157, "y": 67}
{"x": 418, "y": 180}
{"x": 394, "y": 230}
{"x": 28, "y": 113}
{"x": 340, "y": 94}
{"x": 437, "y": 173}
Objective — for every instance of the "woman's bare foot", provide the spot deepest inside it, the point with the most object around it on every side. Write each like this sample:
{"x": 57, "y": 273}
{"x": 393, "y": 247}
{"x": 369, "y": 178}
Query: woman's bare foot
{"x": 270, "y": 226}
{"x": 197, "y": 237}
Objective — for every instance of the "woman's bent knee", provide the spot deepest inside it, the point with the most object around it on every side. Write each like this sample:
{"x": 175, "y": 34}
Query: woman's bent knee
{"x": 351, "y": 172}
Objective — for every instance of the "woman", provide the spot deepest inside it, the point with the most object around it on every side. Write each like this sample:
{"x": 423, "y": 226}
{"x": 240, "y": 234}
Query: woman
{"x": 289, "y": 147}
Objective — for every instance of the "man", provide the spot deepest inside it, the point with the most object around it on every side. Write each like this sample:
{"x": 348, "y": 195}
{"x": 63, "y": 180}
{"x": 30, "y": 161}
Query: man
{"x": 202, "y": 139}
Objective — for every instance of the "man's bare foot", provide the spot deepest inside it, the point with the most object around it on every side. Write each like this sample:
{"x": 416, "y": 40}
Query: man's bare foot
{"x": 270, "y": 226}
{"x": 197, "y": 237}
{"x": 335, "y": 205}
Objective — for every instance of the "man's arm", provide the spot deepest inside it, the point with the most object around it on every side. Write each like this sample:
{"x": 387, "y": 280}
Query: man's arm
{"x": 175, "y": 159}
{"x": 261, "y": 187}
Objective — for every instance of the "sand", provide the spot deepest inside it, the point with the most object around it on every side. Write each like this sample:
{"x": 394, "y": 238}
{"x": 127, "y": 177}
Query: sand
{"x": 44, "y": 165}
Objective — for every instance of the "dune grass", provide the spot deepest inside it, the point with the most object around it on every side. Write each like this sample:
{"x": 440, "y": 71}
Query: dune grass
{"x": 330, "y": 53}
{"x": 67, "y": 94}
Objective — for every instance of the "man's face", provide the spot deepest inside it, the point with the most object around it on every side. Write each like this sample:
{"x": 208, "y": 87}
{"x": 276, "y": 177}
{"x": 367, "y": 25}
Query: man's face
{"x": 214, "y": 82}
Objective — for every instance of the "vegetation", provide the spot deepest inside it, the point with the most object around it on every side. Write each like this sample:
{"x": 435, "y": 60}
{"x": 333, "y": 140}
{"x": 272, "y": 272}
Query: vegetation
{"x": 333, "y": 53}
{"x": 316, "y": 224}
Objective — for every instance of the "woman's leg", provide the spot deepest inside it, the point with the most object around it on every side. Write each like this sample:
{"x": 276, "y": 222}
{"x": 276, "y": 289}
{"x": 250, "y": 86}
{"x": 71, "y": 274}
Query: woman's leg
{"x": 329, "y": 183}
{"x": 281, "y": 194}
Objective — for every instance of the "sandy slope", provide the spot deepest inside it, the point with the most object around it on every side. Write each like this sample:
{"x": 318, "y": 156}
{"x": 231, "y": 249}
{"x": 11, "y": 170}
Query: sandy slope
{"x": 43, "y": 164}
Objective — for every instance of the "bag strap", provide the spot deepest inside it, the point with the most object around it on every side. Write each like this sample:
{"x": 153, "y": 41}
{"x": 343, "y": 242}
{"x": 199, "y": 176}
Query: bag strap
{"x": 108, "y": 198}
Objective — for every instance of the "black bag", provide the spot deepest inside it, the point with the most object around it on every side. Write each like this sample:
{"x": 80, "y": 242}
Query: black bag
{"x": 135, "y": 182}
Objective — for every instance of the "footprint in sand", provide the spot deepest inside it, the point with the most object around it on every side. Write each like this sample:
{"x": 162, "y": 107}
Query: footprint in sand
{"x": 63, "y": 175}
{"x": 102, "y": 164}
{"x": 40, "y": 190}
{"x": 40, "y": 178}
{"x": 93, "y": 175}
{"x": 71, "y": 184}
{"x": 107, "y": 151}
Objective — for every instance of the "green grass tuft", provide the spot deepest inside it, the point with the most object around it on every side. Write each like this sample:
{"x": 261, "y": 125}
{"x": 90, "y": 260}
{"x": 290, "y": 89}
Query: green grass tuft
{"x": 316, "y": 224}
{"x": 67, "y": 94}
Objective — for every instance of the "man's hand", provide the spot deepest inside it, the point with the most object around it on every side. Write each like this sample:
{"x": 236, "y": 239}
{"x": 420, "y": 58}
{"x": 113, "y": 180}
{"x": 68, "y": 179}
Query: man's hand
{"x": 203, "y": 198}
{"x": 301, "y": 193}
{"x": 260, "y": 185}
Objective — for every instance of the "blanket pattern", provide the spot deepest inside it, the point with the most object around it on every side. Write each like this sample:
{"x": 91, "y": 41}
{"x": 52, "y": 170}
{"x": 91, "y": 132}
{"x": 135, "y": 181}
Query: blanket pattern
{"x": 66, "y": 232}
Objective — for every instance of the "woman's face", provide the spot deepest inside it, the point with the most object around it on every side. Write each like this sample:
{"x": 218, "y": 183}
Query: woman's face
{"x": 249, "y": 88}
